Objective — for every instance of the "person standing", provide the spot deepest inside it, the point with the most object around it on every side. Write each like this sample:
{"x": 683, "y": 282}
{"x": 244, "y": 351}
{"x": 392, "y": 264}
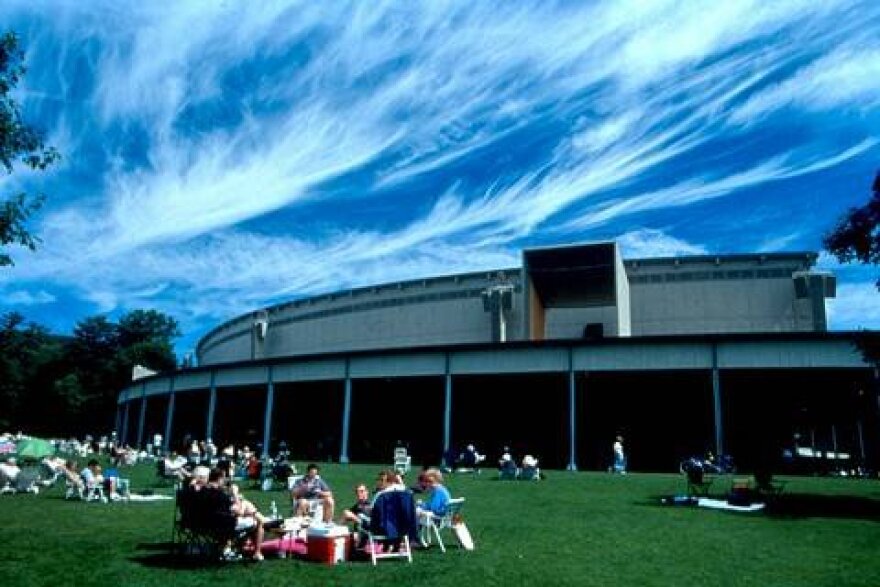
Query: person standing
{"x": 619, "y": 456}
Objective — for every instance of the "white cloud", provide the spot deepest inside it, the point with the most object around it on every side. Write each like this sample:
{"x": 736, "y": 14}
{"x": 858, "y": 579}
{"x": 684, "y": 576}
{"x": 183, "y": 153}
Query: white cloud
{"x": 857, "y": 306}
{"x": 28, "y": 298}
{"x": 647, "y": 243}
{"x": 847, "y": 78}
{"x": 611, "y": 94}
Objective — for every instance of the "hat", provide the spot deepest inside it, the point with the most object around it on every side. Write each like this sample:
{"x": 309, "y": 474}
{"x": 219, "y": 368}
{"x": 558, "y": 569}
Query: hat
{"x": 201, "y": 473}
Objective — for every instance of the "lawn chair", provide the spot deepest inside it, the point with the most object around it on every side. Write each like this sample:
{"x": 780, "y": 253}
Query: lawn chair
{"x": 434, "y": 524}
{"x": 698, "y": 483}
{"x": 402, "y": 461}
{"x": 508, "y": 471}
{"x": 74, "y": 489}
{"x": 390, "y": 525}
{"x": 768, "y": 487}
{"x": 6, "y": 485}
{"x": 204, "y": 524}
{"x": 94, "y": 491}
{"x": 27, "y": 481}
{"x": 164, "y": 475}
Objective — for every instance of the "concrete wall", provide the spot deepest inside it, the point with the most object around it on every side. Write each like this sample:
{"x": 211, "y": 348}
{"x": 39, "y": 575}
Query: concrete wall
{"x": 690, "y": 295}
{"x": 445, "y": 310}
{"x": 708, "y": 298}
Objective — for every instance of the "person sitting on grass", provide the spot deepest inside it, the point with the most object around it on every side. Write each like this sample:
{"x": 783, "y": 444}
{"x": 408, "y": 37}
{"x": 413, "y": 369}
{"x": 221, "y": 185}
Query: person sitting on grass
{"x": 175, "y": 465}
{"x": 9, "y": 470}
{"x": 530, "y": 470}
{"x": 312, "y": 487}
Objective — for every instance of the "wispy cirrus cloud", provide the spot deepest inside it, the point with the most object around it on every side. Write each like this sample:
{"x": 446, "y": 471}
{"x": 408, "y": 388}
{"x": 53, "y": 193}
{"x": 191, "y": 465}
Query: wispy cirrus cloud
{"x": 218, "y": 158}
{"x": 28, "y": 298}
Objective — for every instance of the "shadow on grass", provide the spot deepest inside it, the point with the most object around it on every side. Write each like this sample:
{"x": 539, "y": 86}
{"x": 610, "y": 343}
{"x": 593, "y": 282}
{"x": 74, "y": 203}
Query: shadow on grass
{"x": 824, "y": 506}
{"x": 161, "y": 555}
{"x": 794, "y": 506}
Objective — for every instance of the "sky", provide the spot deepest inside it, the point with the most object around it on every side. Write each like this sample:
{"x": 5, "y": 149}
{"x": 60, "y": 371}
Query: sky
{"x": 222, "y": 156}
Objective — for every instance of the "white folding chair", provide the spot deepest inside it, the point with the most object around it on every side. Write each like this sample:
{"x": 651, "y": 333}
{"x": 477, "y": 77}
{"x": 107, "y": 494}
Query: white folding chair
{"x": 434, "y": 524}
{"x": 402, "y": 461}
{"x": 377, "y": 542}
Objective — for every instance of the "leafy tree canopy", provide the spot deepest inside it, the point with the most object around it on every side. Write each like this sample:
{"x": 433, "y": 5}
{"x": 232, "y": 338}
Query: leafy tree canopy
{"x": 857, "y": 235}
{"x": 857, "y": 238}
{"x": 19, "y": 143}
{"x": 60, "y": 385}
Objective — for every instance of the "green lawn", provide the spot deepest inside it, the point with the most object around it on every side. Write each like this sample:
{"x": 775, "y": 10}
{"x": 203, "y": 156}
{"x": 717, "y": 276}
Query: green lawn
{"x": 572, "y": 529}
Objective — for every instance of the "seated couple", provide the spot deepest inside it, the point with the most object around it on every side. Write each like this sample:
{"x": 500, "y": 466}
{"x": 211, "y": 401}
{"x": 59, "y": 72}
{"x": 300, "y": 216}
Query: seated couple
{"x": 94, "y": 479}
{"x": 217, "y": 505}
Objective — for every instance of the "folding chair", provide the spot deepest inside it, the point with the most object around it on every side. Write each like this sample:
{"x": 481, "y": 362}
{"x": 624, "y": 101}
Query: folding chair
{"x": 74, "y": 490}
{"x": 508, "y": 473}
{"x": 697, "y": 483}
{"x": 94, "y": 492}
{"x": 433, "y": 524}
{"x": 391, "y": 523}
{"x": 767, "y": 486}
{"x": 402, "y": 461}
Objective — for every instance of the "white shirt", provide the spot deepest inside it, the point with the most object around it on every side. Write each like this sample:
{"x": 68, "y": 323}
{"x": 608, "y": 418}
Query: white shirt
{"x": 10, "y": 471}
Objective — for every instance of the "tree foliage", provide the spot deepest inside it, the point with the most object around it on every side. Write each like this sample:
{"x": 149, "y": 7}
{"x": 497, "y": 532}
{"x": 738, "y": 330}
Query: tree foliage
{"x": 19, "y": 144}
{"x": 857, "y": 238}
{"x": 68, "y": 385}
{"x": 857, "y": 235}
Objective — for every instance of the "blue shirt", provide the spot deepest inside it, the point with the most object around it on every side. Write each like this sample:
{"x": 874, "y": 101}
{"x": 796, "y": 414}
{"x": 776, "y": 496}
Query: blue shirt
{"x": 438, "y": 500}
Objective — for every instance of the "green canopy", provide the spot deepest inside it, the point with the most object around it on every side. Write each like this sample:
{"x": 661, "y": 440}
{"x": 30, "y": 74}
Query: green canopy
{"x": 34, "y": 448}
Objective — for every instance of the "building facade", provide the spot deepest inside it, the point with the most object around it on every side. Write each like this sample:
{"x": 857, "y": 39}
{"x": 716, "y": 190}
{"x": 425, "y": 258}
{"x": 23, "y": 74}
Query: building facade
{"x": 554, "y": 357}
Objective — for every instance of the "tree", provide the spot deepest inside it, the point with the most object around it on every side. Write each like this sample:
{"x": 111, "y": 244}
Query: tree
{"x": 857, "y": 235}
{"x": 857, "y": 238}
{"x": 28, "y": 357}
{"x": 103, "y": 354}
{"x": 19, "y": 143}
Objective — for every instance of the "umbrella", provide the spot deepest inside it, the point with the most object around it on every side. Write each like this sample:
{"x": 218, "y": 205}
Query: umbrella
{"x": 35, "y": 448}
{"x": 7, "y": 447}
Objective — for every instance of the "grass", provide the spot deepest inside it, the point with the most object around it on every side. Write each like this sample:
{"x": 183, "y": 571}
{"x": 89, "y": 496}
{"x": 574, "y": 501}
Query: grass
{"x": 572, "y": 529}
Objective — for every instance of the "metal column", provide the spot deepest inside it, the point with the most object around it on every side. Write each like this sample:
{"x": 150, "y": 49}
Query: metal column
{"x": 267, "y": 422}
{"x": 124, "y": 438}
{"x": 572, "y": 420}
{"x": 169, "y": 419}
{"x": 716, "y": 400}
{"x": 143, "y": 417}
{"x": 117, "y": 430}
{"x": 346, "y": 415}
{"x": 447, "y": 410}
{"x": 212, "y": 405}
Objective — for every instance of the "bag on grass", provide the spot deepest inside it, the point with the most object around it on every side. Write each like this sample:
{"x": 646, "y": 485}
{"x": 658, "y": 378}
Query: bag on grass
{"x": 462, "y": 534}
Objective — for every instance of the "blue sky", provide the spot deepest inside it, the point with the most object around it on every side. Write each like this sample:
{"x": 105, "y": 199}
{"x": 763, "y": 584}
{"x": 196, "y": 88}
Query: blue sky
{"x": 222, "y": 156}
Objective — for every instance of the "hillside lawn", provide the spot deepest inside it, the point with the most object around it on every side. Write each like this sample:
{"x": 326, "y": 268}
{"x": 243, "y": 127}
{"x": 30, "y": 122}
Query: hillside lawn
{"x": 583, "y": 528}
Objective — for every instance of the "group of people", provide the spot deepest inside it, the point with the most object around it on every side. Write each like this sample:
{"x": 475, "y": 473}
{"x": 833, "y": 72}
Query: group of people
{"x": 213, "y": 487}
{"x": 312, "y": 488}
{"x": 91, "y": 482}
{"x": 221, "y": 500}
{"x": 507, "y": 468}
